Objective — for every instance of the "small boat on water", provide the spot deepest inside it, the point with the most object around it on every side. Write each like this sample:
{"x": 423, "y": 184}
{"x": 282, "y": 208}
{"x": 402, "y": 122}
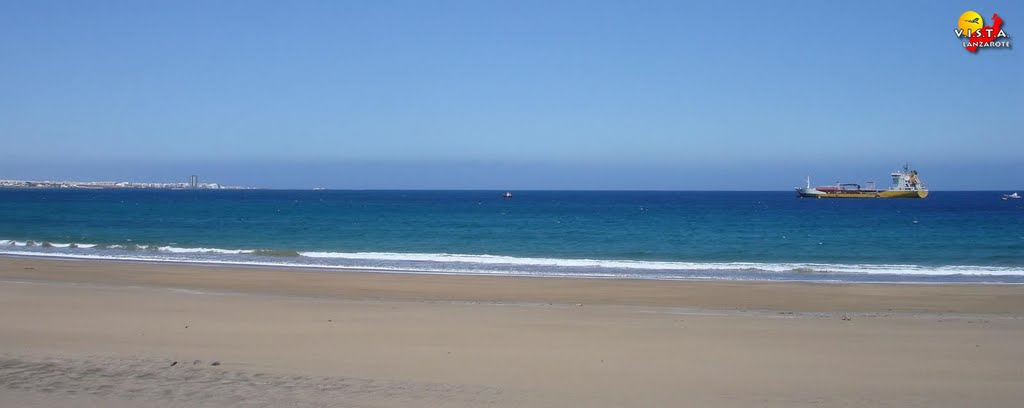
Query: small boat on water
{"x": 507, "y": 195}
{"x": 905, "y": 184}
{"x": 1013, "y": 196}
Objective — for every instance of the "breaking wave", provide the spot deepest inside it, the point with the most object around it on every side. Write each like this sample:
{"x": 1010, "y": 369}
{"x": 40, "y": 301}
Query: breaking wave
{"x": 444, "y": 263}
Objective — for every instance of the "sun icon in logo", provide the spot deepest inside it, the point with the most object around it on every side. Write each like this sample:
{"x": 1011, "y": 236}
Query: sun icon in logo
{"x": 970, "y": 20}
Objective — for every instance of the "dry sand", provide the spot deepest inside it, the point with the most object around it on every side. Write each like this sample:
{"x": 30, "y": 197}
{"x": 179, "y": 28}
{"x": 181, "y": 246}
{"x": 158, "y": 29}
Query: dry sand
{"x": 79, "y": 333}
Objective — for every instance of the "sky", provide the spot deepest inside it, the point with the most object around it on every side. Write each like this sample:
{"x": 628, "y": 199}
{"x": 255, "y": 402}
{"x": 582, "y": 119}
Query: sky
{"x": 632, "y": 95}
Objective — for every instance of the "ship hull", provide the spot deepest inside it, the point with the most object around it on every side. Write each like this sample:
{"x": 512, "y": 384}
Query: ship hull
{"x": 814, "y": 193}
{"x": 904, "y": 194}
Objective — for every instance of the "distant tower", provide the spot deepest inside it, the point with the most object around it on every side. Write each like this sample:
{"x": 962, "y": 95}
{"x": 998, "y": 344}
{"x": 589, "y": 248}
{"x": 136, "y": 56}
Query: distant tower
{"x": 193, "y": 182}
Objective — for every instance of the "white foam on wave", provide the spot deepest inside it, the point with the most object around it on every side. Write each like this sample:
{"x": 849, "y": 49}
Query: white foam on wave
{"x": 178, "y": 250}
{"x": 403, "y": 269}
{"x": 171, "y": 249}
{"x": 495, "y": 264}
{"x": 164, "y": 259}
{"x": 11, "y": 242}
{"x": 669, "y": 265}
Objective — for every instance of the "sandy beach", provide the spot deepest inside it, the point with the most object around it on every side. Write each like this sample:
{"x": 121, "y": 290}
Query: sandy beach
{"x": 83, "y": 333}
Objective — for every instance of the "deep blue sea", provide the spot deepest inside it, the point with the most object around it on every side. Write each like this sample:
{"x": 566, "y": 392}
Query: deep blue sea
{"x": 948, "y": 237}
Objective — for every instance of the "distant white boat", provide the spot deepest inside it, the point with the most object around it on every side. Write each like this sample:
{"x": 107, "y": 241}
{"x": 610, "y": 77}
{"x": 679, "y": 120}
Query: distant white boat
{"x": 1013, "y": 196}
{"x": 507, "y": 195}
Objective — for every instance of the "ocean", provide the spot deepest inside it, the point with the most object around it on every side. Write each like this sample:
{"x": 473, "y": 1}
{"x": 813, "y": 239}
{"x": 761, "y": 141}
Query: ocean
{"x": 949, "y": 237}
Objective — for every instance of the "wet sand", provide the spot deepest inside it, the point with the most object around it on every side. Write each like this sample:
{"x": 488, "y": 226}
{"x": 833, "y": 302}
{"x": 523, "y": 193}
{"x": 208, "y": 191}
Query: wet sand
{"x": 86, "y": 333}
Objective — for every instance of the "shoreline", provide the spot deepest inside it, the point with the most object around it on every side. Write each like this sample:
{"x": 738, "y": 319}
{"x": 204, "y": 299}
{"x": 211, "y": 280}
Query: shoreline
{"x": 737, "y": 271}
{"x": 970, "y": 298}
{"x": 343, "y": 269}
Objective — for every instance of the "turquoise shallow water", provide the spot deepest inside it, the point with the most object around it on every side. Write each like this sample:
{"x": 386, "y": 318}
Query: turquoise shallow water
{"x": 948, "y": 237}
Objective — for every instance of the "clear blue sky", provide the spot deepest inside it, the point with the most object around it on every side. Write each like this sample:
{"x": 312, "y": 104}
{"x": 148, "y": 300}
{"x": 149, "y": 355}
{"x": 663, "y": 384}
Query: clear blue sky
{"x": 508, "y": 94}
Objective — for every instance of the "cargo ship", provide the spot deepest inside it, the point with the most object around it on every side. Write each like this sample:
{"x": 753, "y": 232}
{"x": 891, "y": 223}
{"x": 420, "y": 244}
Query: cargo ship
{"x": 905, "y": 184}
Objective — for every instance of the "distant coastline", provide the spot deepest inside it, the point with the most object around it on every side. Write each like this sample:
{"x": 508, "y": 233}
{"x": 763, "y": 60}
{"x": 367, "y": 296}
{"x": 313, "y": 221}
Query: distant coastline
{"x": 96, "y": 185}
